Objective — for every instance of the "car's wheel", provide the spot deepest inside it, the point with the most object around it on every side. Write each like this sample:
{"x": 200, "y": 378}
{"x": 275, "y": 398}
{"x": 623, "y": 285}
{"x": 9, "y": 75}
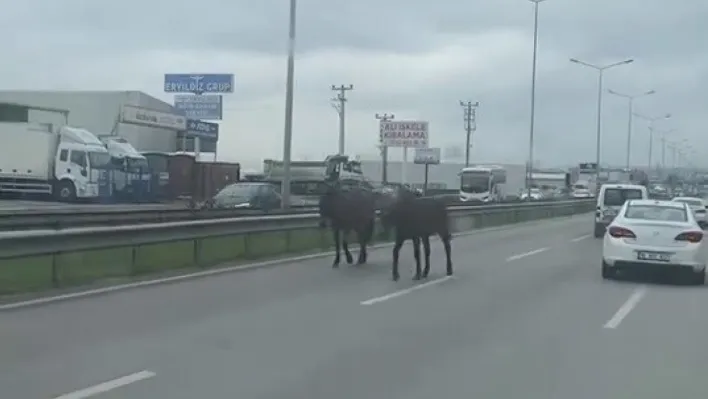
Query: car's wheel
{"x": 607, "y": 271}
{"x": 599, "y": 230}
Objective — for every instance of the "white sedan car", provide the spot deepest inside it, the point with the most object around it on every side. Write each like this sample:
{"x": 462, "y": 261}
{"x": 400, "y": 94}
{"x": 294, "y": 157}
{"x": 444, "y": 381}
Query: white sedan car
{"x": 697, "y": 206}
{"x": 651, "y": 235}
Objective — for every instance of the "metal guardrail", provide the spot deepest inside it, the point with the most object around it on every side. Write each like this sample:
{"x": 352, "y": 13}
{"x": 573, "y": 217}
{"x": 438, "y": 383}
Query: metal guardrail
{"x": 58, "y": 219}
{"x": 41, "y": 260}
{"x": 52, "y": 242}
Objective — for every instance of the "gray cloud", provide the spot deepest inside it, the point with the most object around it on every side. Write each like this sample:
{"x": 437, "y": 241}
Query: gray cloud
{"x": 414, "y": 58}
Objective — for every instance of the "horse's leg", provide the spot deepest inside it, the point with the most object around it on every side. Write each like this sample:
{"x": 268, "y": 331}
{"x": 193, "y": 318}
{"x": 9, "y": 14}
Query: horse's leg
{"x": 426, "y": 251}
{"x": 396, "y": 251}
{"x": 416, "y": 255}
{"x": 337, "y": 247}
{"x": 345, "y": 246}
{"x": 361, "y": 237}
{"x": 446, "y": 243}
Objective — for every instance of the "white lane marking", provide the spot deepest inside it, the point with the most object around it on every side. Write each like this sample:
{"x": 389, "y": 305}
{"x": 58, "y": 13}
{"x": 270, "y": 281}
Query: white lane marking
{"x": 257, "y": 265}
{"x": 525, "y": 254}
{"x": 108, "y": 385}
{"x": 405, "y": 291}
{"x": 627, "y": 307}
{"x": 578, "y": 239}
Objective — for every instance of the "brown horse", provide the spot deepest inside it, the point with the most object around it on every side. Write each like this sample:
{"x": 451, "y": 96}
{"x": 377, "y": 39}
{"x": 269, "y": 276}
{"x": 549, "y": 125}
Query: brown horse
{"x": 348, "y": 210}
{"x": 417, "y": 218}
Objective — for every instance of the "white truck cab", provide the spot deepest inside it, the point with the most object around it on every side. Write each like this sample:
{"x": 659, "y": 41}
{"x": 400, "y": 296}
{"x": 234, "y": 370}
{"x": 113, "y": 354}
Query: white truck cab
{"x": 66, "y": 162}
{"x": 128, "y": 164}
{"x": 81, "y": 164}
{"x": 610, "y": 200}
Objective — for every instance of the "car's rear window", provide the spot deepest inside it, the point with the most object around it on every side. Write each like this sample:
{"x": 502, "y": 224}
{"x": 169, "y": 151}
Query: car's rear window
{"x": 656, "y": 212}
{"x": 618, "y": 196}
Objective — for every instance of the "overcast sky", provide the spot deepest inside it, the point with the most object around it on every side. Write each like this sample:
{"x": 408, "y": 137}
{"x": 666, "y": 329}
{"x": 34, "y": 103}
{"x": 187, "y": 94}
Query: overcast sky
{"x": 413, "y": 58}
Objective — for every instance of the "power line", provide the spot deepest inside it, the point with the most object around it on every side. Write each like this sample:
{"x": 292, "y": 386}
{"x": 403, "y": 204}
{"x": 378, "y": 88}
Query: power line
{"x": 384, "y": 148}
{"x": 339, "y": 105}
{"x": 470, "y": 120}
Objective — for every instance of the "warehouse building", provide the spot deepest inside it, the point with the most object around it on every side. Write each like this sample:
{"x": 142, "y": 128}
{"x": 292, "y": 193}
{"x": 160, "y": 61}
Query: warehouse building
{"x": 147, "y": 123}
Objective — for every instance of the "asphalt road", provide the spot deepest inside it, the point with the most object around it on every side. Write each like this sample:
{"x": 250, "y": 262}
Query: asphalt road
{"x": 527, "y": 316}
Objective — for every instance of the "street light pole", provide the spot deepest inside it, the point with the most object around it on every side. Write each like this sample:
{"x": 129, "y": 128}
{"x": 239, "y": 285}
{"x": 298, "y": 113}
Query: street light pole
{"x": 630, "y": 99}
{"x": 529, "y": 167}
{"x": 288, "y": 136}
{"x": 600, "y": 69}
{"x": 663, "y": 146}
{"x": 384, "y": 147}
{"x": 651, "y": 131}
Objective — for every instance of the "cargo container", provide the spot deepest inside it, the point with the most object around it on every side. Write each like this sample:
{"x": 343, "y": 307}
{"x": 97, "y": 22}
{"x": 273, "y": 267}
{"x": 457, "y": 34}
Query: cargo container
{"x": 188, "y": 178}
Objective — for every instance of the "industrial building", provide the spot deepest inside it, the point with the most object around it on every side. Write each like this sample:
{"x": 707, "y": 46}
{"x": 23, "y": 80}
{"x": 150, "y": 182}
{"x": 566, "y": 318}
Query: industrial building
{"x": 147, "y": 123}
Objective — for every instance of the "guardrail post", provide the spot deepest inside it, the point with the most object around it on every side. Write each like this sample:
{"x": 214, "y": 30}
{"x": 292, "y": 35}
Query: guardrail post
{"x": 55, "y": 269}
{"x": 197, "y": 251}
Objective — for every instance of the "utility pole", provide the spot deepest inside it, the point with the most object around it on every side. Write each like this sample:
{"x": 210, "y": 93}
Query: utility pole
{"x": 470, "y": 119}
{"x": 383, "y": 147}
{"x": 339, "y": 105}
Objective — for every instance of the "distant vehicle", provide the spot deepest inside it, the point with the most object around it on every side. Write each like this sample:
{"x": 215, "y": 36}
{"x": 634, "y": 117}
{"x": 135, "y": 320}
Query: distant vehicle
{"x": 581, "y": 193}
{"x": 534, "y": 194}
{"x": 247, "y": 195}
{"x": 549, "y": 181}
{"x": 65, "y": 162}
{"x": 652, "y": 235}
{"x": 698, "y": 207}
{"x": 483, "y": 183}
{"x": 609, "y": 201}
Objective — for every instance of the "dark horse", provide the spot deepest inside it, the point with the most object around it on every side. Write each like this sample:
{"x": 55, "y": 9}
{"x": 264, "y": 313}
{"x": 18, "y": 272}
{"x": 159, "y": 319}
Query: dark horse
{"x": 417, "y": 218}
{"x": 348, "y": 210}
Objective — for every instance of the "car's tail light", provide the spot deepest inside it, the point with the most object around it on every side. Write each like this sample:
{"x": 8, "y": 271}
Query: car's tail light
{"x": 621, "y": 232}
{"x": 690, "y": 236}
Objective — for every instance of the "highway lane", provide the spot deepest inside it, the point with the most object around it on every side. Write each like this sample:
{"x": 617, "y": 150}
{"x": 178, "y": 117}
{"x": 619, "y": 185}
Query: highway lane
{"x": 523, "y": 318}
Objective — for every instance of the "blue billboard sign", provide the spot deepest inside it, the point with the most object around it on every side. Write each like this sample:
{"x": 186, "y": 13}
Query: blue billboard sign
{"x": 204, "y": 130}
{"x": 199, "y": 83}
{"x": 207, "y": 107}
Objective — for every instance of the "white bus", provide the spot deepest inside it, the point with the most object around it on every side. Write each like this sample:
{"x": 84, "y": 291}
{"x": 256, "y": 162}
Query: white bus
{"x": 483, "y": 183}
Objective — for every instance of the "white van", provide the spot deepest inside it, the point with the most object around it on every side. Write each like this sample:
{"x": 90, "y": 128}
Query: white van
{"x": 610, "y": 201}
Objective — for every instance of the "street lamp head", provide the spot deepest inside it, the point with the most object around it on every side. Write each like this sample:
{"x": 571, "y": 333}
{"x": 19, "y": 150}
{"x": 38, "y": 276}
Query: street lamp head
{"x": 667, "y": 116}
{"x": 613, "y": 92}
{"x": 650, "y": 92}
{"x": 575, "y": 60}
{"x": 629, "y": 61}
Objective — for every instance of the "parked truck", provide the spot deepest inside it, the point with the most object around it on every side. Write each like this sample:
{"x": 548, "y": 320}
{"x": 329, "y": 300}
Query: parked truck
{"x": 40, "y": 158}
{"x": 130, "y": 174}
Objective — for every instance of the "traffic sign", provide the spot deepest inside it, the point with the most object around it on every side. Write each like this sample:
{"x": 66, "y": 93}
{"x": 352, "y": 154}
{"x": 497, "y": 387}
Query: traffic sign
{"x": 206, "y": 106}
{"x": 204, "y": 130}
{"x": 409, "y": 134}
{"x": 427, "y": 156}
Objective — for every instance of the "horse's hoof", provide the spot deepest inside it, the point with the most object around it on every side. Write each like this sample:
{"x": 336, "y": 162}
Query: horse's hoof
{"x": 416, "y": 277}
{"x": 335, "y": 265}
{"x": 425, "y": 275}
{"x": 449, "y": 273}
{"x": 396, "y": 277}
{"x": 350, "y": 261}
